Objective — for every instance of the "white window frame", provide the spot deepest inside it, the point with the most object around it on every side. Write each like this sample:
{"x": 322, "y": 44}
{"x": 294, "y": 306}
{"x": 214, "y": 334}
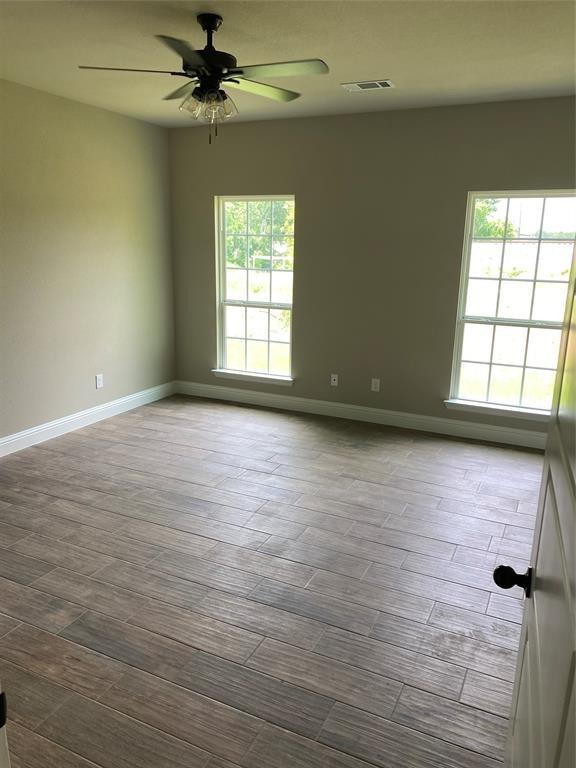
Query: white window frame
{"x": 222, "y": 303}
{"x": 516, "y": 411}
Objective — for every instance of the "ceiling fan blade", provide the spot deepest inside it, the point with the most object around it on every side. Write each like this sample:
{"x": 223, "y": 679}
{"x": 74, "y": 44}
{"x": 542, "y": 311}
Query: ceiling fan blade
{"x": 261, "y": 89}
{"x": 193, "y": 58}
{"x": 124, "y": 69}
{"x": 282, "y": 69}
{"x": 183, "y": 91}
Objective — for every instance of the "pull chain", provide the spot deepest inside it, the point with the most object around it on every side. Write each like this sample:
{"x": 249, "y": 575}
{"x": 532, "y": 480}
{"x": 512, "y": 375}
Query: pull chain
{"x": 212, "y": 130}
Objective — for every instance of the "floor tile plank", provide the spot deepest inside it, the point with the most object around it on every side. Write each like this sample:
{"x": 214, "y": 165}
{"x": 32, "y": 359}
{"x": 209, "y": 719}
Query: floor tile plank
{"x": 205, "y": 572}
{"x": 261, "y": 563}
{"x": 21, "y": 568}
{"x": 318, "y": 557}
{"x": 91, "y": 593}
{"x": 29, "y": 750}
{"x": 452, "y": 721}
{"x": 62, "y": 554}
{"x": 306, "y": 517}
{"x": 327, "y": 609}
{"x": 197, "y": 630}
{"x": 364, "y": 593}
{"x": 113, "y": 740}
{"x": 392, "y": 745}
{"x": 446, "y": 646}
{"x": 487, "y": 629}
{"x": 59, "y": 660}
{"x": 35, "y": 607}
{"x": 276, "y": 748}
{"x": 161, "y": 586}
{"x": 357, "y": 547}
{"x": 329, "y": 677}
{"x": 426, "y": 585}
{"x": 132, "y": 551}
{"x": 182, "y": 713}
{"x": 487, "y": 693}
{"x": 262, "y": 619}
{"x": 31, "y": 698}
{"x": 401, "y": 664}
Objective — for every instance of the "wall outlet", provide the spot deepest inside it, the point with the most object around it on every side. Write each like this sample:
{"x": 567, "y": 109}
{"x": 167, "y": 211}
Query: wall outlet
{"x": 99, "y": 380}
{"x": 375, "y": 385}
{"x": 333, "y": 379}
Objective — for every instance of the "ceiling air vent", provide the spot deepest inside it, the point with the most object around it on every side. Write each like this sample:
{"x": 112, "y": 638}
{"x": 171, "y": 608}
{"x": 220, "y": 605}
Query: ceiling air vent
{"x": 368, "y": 85}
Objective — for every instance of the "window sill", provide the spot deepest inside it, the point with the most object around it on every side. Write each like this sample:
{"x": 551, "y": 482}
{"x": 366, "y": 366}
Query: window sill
{"x": 262, "y": 378}
{"x": 529, "y": 414}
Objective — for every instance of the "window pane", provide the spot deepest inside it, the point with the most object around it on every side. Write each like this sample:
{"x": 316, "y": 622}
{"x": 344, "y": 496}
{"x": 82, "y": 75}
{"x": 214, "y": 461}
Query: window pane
{"x": 525, "y": 216}
{"x": 259, "y": 252}
{"x": 477, "y": 342}
{"x": 235, "y": 217}
{"x": 490, "y": 217}
{"x": 235, "y": 354}
{"x": 257, "y": 323}
{"x": 282, "y": 287}
{"x": 256, "y": 258}
{"x": 509, "y": 345}
{"x": 505, "y": 383}
{"x": 485, "y": 259}
{"x": 283, "y": 217}
{"x": 280, "y": 324}
{"x": 543, "y": 347}
{"x": 235, "y": 322}
{"x": 549, "y": 301}
{"x": 258, "y": 285}
{"x": 473, "y": 381}
{"x": 515, "y": 300}
{"x": 538, "y": 388}
{"x": 283, "y": 253}
{"x": 257, "y": 356}
{"x": 555, "y": 261}
{"x": 259, "y": 217}
{"x": 236, "y": 284}
{"x": 280, "y": 359}
{"x": 481, "y": 299}
{"x": 560, "y": 217}
{"x": 236, "y": 251}
{"x": 519, "y": 260}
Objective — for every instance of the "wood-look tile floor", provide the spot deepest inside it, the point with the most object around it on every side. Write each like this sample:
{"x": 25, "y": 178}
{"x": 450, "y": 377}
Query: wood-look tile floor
{"x": 203, "y": 585}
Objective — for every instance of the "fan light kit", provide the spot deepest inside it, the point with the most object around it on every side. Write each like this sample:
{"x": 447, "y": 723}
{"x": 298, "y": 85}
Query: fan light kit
{"x": 206, "y": 70}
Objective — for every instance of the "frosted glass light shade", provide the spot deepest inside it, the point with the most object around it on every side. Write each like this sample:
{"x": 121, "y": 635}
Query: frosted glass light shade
{"x": 209, "y": 107}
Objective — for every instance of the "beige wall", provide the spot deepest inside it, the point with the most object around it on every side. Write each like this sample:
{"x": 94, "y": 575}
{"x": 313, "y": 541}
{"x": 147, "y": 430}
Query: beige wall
{"x": 85, "y": 265}
{"x": 380, "y": 207}
{"x": 85, "y": 258}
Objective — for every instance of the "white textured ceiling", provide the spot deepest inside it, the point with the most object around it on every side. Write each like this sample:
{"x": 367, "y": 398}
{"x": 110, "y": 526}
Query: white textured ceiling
{"x": 435, "y": 51}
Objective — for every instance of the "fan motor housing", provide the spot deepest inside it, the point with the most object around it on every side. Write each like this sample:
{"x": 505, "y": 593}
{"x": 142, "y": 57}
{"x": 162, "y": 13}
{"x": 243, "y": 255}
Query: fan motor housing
{"x": 218, "y": 59}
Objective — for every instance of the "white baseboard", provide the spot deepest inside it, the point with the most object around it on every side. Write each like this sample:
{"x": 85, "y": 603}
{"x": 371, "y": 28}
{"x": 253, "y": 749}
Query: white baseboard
{"x": 454, "y": 427}
{"x": 50, "y": 429}
{"x": 420, "y": 423}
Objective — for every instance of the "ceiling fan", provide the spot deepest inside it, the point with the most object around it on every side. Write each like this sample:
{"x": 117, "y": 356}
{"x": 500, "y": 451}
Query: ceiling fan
{"x": 207, "y": 70}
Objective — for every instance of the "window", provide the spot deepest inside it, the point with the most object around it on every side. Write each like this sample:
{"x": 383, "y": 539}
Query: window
{"x": 255, "y": 268}
{"x": 518, "y": 254}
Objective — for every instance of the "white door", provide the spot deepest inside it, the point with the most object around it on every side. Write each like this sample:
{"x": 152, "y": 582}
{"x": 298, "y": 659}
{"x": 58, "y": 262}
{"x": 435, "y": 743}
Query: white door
{"x": 543, "y": 728}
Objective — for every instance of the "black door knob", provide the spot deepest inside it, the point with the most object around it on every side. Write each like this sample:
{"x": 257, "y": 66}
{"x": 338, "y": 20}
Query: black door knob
{"x": 506, "y": 577}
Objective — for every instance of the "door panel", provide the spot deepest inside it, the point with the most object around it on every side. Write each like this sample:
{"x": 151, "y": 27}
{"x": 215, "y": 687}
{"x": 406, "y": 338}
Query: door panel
{"x": 542, "y": 728}
{"x": 523, "y": 749}
{"x": 567, "y": 757}
{"x": 553, "y": 620}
